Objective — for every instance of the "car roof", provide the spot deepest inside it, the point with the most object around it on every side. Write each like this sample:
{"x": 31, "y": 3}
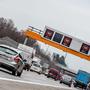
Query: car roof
{"x": 67, "y": 76}
{"x": 54, "y": 69}
{"x": 16, "y": 50}
{"x": 36, "y": 59}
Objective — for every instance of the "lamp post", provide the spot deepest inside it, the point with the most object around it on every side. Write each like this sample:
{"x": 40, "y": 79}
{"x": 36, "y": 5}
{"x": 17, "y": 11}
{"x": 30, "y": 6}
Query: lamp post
{"x": 65, "y": 55}
{"x": 47, "y": 48}
{"x": 25, "y": 41}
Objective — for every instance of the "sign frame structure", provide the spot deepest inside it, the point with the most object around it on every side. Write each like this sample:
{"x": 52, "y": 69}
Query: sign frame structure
{"x": 70, "y": 37}
{"x": 32, "y": 34}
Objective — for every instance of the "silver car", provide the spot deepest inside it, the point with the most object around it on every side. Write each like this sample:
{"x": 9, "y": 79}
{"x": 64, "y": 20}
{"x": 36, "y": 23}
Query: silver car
{"x": 11, "y": 59}
{"x": 66, "y": 79}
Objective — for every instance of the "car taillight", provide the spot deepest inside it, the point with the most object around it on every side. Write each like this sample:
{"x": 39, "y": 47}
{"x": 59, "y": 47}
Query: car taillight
{"x": 17, "y": 59}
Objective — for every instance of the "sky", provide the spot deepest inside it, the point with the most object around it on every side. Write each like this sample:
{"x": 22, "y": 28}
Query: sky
{"x": 69, "y": 16}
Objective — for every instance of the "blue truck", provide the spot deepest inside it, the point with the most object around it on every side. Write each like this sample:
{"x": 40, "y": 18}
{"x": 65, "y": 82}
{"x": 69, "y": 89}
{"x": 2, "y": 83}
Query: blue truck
{"x": 82, "y": 79}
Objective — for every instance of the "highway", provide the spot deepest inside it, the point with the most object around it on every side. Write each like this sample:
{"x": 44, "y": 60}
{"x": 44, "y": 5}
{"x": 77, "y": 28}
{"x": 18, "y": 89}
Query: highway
{"x": 29, "y": 80}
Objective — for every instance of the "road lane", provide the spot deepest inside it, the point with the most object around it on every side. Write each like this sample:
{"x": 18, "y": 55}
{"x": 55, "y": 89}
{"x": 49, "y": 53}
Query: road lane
{"x": 16, "y": 85}
{"x": 33, "y": 77}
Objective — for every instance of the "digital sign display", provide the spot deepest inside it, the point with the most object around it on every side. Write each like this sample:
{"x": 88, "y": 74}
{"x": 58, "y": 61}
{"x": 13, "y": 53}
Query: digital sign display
{"x": 85, "y": 48}
{"x": 48, "y": 34}
{"x": 66, "y": 41}
{"x": 57, "y": 37}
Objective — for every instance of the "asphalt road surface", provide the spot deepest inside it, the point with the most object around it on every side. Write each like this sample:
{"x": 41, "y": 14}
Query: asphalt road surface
{"x": 29, "y": 81}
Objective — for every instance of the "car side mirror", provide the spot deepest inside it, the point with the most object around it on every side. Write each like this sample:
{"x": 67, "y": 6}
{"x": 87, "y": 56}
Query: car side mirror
{"x": 24, "y": 60}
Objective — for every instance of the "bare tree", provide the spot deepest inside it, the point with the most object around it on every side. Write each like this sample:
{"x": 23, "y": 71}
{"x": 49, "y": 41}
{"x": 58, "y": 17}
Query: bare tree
{"x": 7, "y": 28}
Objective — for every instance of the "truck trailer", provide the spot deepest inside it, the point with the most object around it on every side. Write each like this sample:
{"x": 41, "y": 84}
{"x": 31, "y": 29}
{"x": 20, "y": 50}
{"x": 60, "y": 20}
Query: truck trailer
{"x": 82, "y": 79}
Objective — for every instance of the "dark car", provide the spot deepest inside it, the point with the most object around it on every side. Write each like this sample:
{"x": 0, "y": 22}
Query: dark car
{"x": 11, "y": 59}
{"x": 54, "y": 73}
{"x": 88, "y": 86}
{"x": 27, "y": 65}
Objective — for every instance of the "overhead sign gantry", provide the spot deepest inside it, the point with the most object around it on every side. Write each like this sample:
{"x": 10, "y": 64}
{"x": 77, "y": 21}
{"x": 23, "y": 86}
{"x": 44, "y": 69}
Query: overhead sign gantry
{"x": 61, "y": 41}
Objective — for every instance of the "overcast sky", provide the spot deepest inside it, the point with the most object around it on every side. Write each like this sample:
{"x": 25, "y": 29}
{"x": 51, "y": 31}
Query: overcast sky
{"x": 69, "y": 16}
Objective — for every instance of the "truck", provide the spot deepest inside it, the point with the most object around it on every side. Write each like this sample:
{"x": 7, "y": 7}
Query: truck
{"x": 82, "y": 79}
{"x": 28, "y": 55}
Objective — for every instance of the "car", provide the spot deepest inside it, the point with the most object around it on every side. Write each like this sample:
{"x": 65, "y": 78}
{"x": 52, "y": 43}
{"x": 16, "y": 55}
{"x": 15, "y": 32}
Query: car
{"x": 45, "y": 69}
{"x": 27, "y": 65}
{"x": 11, "y": 59}
{"x": 88, "y": 86}
{"x": 36, "y": 67}
{"x": 36, "y": 59}
{"x": 45, "y": 72}
{"x": 66, "y": 79}
{"x": 54, "y": 73}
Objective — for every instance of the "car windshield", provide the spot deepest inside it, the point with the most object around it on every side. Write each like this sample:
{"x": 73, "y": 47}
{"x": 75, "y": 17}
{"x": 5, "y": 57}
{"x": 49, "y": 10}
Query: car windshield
{"x": 67, "y": 77}
{"x": 8, "y": 50}
{"x": 54, "y": 71}
{"x": 35, "y": 64}
{"x": 21, "y": 55}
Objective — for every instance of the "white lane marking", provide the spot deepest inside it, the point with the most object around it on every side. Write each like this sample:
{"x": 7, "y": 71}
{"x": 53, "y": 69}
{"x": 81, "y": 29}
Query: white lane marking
{"x": 28, "y": 82}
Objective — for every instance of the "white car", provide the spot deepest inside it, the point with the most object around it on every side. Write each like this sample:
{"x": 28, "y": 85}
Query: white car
{"x": 36, "y": 59}
{"x": 36, "y": 67}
